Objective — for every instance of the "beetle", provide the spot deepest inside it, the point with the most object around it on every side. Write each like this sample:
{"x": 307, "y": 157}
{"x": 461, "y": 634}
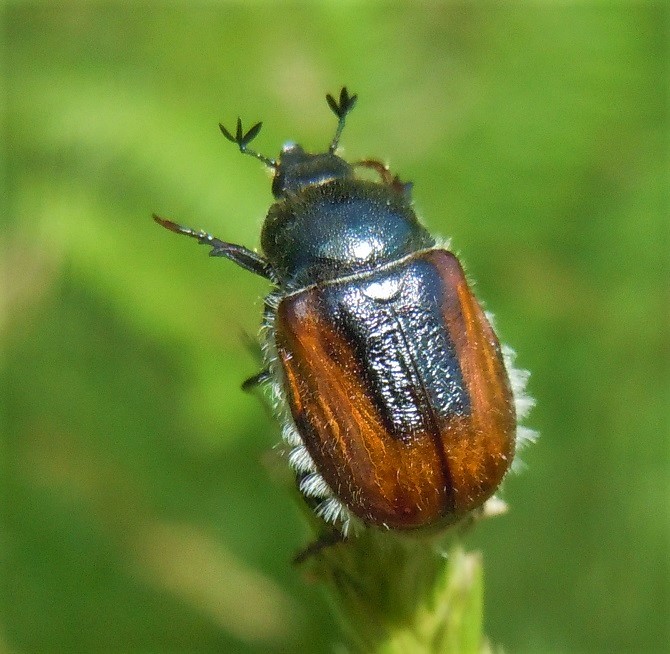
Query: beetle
{"x": 396, "y": 398}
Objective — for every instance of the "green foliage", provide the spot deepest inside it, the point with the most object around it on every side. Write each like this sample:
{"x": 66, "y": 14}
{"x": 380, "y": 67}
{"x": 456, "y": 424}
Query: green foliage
{"x": 141, "y": 511}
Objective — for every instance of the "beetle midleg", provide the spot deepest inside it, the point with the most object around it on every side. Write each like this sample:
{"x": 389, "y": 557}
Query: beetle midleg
{"x": 259, "y": 378}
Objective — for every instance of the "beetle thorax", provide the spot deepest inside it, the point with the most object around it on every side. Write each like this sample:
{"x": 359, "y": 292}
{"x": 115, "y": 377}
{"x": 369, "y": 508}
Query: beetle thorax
{"x": 327, "y": 230}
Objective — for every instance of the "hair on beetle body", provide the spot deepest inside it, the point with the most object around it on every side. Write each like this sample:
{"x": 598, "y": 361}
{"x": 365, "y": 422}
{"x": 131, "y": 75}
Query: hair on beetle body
{"x": 310, "y": 483}
{"x": 398, "y": 404}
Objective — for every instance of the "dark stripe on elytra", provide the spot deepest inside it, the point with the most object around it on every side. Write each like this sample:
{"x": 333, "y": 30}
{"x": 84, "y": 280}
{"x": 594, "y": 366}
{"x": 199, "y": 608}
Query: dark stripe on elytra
{"x": 436, "y": 435}
{"x": 430, "y": 422}
{"x": 404, "y": 351}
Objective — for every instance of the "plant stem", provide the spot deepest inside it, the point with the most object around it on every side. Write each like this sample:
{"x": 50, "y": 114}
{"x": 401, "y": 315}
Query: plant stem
{"x": 396, "y": 594}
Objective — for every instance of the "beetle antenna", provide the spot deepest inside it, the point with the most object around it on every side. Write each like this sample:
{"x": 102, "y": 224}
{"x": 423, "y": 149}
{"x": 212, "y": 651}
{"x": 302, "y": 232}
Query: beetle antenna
{"x": 340, "y": 109}
{"x": 242, "y": 140}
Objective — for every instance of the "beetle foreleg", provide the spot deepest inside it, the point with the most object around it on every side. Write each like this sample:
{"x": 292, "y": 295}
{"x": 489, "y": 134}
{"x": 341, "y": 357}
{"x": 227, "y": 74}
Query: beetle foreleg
{"x": 238, "y": 254}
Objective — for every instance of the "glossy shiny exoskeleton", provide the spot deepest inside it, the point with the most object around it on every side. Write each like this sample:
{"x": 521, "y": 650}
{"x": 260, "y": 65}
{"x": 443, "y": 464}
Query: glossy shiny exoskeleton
{"x": 388, "y": 377}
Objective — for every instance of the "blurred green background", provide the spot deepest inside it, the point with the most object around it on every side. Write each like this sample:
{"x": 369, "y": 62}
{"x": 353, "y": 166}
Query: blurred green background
{"x": 141, "y": 506}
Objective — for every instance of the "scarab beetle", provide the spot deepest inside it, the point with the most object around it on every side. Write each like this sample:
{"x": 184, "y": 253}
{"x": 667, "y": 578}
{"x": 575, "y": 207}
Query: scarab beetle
{"x": 393, "y": 390}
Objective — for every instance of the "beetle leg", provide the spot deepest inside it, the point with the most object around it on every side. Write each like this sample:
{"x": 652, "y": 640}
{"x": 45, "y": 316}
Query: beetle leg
{"x": 238, "y": 254}
{"x": 405, "y": 188}
{"x": 321, "y": 543}
{"x": 256, "y": 380}
{"x": 380, "y": 168}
